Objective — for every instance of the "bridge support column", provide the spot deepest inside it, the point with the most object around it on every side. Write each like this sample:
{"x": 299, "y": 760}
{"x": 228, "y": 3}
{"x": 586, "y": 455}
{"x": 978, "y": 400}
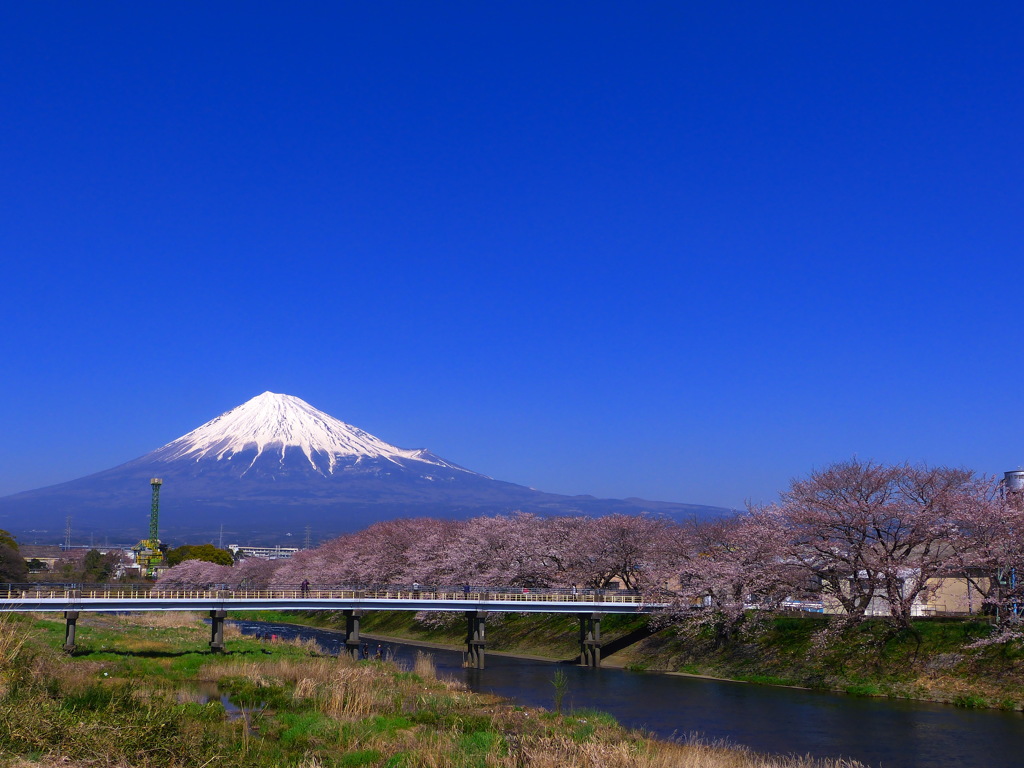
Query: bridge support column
{"x": 475, "y": 639}
{"x": 352, "y": 632}
{"x": 590, "y": 639}
{"x": 217, "y": 631}
{"x": 69, "y": 630}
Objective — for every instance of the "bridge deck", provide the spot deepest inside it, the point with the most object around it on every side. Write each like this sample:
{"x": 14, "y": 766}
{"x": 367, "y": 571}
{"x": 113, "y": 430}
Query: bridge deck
{"x": 16, "y": 598}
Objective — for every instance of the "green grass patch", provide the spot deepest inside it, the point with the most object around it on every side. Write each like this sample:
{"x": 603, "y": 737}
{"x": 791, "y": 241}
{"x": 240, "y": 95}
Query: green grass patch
{"x": 360, "y": 757}
{"x": 387, "y": 724}
{"x": 306, "y": 730}
{"x": 863, "y": 689}
{"x": 971, "y": 701}
{"x": 474, "y": 748}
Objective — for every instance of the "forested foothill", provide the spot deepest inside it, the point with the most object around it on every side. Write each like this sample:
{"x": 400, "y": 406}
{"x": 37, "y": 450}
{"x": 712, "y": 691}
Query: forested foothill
{"x": 856, "y": 553}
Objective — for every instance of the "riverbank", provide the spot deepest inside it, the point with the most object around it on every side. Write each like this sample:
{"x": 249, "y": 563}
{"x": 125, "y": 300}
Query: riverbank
{"x": 930, "y": 663}
{"x": 130, "y": 696}
{"x": 546, "y": 637}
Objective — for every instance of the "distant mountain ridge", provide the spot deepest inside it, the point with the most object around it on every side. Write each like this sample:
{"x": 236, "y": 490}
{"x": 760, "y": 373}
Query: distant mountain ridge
{"x": 274, "y": 465}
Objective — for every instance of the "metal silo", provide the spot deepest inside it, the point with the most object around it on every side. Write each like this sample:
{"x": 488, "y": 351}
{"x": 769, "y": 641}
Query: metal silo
{"x": 1014, "y": 481}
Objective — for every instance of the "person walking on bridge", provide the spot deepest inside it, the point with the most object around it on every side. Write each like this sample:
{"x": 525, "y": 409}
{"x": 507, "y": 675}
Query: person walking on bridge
{"x": 305, "y": 587}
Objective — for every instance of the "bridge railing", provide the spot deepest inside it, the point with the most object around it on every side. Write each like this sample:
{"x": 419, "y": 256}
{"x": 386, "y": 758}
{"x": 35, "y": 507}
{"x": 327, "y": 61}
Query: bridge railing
{"x": 128, "y": 592}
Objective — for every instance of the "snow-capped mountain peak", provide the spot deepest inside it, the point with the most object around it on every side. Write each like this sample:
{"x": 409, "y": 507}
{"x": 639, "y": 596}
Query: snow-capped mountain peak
{"x": 276, "y": 423}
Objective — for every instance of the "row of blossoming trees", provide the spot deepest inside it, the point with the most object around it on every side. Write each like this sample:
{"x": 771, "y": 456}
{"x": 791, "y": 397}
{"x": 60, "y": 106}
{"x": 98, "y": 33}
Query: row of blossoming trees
{"x": 858, "y": 534}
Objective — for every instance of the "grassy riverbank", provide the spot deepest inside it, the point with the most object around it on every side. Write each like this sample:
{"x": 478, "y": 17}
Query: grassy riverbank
{"x": 143, "y": 692}
{"x": 548, "y": 636}
{"x": 930, "y": 663}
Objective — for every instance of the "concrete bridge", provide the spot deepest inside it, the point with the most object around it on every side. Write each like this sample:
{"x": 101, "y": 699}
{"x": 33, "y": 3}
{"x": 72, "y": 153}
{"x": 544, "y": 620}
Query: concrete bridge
{"x": 474, "y": 602}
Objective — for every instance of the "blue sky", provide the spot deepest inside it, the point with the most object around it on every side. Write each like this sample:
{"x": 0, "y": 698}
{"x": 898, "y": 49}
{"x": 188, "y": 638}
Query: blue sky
{"x": 672, "y": 250}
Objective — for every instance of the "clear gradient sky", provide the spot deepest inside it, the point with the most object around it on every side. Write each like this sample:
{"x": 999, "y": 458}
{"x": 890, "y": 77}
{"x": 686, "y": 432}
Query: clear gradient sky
{"x": 676, "y": 250}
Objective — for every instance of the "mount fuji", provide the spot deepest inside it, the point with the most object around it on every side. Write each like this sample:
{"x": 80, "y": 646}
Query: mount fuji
{"x": 273, "y": 466}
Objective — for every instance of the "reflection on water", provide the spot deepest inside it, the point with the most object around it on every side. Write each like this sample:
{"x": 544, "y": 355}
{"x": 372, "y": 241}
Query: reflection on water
{"x": 205, "y": 691}
{"x": 879, "y": 732}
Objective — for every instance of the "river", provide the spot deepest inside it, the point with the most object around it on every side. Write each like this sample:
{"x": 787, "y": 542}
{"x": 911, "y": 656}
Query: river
{"x": 878, "y": 732}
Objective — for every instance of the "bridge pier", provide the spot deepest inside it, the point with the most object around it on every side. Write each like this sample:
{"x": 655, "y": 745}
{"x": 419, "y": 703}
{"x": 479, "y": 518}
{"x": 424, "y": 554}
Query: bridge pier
{"x": 590, "y": 639}
{"x": 217, "y": 630}
{"x": 352, "y": 633}
{"x": 69, "y": 630}
{"x": 475, "y": 639}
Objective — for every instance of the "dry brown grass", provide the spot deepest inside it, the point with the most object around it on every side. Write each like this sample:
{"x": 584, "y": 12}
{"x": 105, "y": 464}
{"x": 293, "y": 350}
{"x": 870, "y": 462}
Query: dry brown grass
{"x": 278, "y": 671}
{"x": 337, "y": 687}
{"x": 56, "y": 762}
{"x": 162, "y": 619}
{"x": 12, "y": 642}
{"x": 73, "y": 677}
{"x": 560, "y": 752}
{"x": 424, "y": 666}
{"x": 12, "y": 639}
{"x": 43, "y": 615}
{"x": 345, "y": 689}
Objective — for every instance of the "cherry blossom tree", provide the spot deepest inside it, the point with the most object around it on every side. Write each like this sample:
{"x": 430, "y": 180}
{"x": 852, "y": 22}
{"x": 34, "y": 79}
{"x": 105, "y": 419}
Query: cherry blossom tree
{"x": 324, "y": 565}
{"x": 255, "y": 572}
{"x": 717, "y": 571}
{"x": 501, "y": 550}
{"x": 559, "y": 547}
{"x": 520, "y": 549}
{"x": 989, "y": 551}
{"x": 388, "y": 552}
{"x": 195, "y": 574}
{"x": 616, "y": 546}
{"x": 879, "y": 533}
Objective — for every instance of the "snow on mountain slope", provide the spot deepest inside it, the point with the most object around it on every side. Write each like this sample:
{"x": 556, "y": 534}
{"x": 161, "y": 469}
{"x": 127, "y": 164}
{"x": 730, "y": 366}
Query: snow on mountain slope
{"x": 276, "y": 462}
{"x": 278, "y": 424}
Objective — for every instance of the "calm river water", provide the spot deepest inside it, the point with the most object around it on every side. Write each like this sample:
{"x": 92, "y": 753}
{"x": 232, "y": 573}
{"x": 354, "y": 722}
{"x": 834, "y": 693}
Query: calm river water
{"x": 878, "y": 732}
